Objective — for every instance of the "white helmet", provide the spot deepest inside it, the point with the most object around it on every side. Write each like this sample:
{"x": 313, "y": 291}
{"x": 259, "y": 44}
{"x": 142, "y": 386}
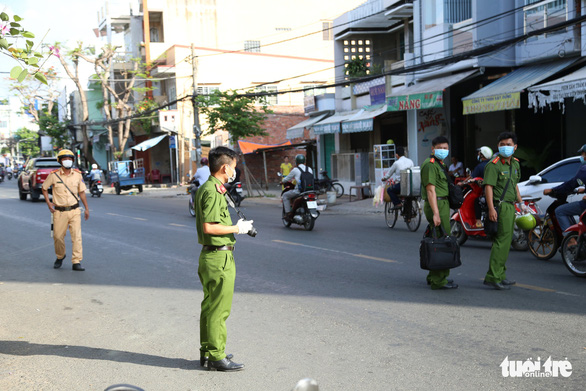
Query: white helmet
{"x": 485, "y": 151}
{"x": 94, "y": 166}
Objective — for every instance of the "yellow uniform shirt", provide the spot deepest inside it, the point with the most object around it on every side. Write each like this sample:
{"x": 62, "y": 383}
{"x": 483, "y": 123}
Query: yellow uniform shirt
{"x": 62, "y": 196}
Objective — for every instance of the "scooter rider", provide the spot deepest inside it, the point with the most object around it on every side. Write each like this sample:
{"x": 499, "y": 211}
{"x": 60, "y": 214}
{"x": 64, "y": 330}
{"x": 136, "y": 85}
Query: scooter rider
{"x": 95, "y": 174}
{"x": 394, "y": 173}
{"x": 565, "y": 212}
{"x": 484, "y": 155}
{"x": 294, "y": 174}
{"x": 201, "y": 175}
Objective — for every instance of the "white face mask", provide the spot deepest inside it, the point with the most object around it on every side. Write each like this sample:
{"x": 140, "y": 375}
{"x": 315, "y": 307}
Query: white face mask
{"x": 67, "y": 163}
{"x": 231, "y": 178}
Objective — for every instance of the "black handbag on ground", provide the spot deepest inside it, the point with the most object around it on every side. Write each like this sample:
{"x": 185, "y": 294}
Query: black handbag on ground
{"x": 491, "y": 227}
{"x": 455, "y": 193}
{"x": 438, "y": 253}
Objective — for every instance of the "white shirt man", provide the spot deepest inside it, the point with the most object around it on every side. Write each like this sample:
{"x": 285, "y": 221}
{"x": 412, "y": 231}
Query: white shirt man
{"x": 294, "y": 174}
{"x": 202, "y": 174}
{"x": 394, "y": 173}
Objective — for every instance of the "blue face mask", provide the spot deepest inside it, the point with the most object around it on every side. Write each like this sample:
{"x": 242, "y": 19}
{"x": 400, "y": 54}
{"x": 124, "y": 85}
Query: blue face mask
{"x": 441, "y": 154}
{"x": 506, "y": 151}
{"x": 582, "y": 159}
{"x": 478, "y": 158}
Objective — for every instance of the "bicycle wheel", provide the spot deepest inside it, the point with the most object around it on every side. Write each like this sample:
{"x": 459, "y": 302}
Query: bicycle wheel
{"x": 391, "y": 214}
{"x": 543, "y": 242}
{"x": 339, "y": 189}
{"x": 413, "y": 216}
{"x": 574, "y": 259}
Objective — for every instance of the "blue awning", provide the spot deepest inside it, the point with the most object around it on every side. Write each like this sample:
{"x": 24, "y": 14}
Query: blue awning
{"x": 149, "y": 143}
{"x": 296, "y": 131}
{"x": 332, "y": 124}
{"x": 363, "y": 121}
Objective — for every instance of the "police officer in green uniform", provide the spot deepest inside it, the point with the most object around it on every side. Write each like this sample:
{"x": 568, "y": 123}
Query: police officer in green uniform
{"x": 437, "y": 208}
{"x": 217, "y": 270}
{"x": 496, "y": 175}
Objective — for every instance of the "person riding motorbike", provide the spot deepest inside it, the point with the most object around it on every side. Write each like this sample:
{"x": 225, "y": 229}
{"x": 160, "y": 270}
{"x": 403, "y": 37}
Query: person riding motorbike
{"x": 294, "y": 174}
{"x": 95, "y": 175}
{"x": 394, "y": 173}
{"x": 201, "y": 175}
{"x": 564, "y": 213}
{"x": 484, "y": 155}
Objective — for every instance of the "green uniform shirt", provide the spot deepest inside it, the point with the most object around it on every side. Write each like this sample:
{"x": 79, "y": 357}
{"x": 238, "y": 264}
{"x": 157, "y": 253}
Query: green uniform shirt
{"x": 496, "y": 174}
{"x": 432, "y": 172}
{"x": 211, "y": 207}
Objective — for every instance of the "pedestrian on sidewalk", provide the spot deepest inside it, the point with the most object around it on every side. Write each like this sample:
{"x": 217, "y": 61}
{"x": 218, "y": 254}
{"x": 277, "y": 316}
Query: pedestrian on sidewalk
{"x": 501, "y": 175}
{"x": 437, "y": 208}
{"x": 217, "y": 269}
{"x": 68, "y": 189}
{"x": 286, "y": 168}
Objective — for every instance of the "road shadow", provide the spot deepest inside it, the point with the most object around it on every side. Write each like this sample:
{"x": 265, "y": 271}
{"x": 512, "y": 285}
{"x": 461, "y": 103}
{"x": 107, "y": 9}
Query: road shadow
{"x": 24, "y": 348}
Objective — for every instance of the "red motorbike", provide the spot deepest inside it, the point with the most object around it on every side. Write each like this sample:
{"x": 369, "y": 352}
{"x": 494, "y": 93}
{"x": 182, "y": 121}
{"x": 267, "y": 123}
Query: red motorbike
{"x": 468, "y": 220}
{"x": 574, "y": 248}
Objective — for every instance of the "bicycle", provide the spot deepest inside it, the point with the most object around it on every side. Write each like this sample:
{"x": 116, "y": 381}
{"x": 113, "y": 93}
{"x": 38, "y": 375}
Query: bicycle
{"x": 410, "y": 210}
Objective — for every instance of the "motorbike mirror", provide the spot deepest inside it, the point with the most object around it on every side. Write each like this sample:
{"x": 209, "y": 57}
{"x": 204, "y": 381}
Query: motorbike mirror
{"x": 535, "y": 179}
{"x": 468, "y": 172}
{"x": 279, "y": 174}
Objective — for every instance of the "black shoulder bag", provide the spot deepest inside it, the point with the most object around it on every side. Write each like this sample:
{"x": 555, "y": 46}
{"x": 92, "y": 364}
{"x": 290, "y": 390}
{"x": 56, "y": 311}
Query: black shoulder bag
{"x": 455, "y": 193}
{"x": 491, "y": 227}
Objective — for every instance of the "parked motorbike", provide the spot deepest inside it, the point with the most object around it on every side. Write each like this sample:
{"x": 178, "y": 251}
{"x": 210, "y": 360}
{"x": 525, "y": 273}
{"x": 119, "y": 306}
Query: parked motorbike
{"x": 304, "y": 208}
{"x": 574, "y": 248}
{"x": 326, "y": 184}
{"x": 235, "y": 190}
{"x": 546, "y": 237}
{"x": 96, "y": 189}
{"x": 464, "y": 222}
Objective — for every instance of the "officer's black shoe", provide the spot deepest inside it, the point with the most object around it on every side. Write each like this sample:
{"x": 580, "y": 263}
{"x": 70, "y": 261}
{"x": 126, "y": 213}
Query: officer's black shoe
{"x": 508, "y": 282}
{"x": 203, "y": 360}
{"x": 449, "y": 285}
{"x": 497, "y": 285}
{"x": 58, "y": 263}
{"x": 77, "y": 267}
{"x": 448, "y": 279}
{"x": 224, "y": 365}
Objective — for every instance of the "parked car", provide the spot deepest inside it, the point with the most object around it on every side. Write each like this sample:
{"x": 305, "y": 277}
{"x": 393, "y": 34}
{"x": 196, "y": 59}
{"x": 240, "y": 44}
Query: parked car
{"x": 33, "y": 175}
{"x": 552, "y": 176}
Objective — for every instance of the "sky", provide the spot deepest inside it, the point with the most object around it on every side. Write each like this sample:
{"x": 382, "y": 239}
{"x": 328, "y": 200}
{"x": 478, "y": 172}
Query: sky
{"x": 64, "y": 21}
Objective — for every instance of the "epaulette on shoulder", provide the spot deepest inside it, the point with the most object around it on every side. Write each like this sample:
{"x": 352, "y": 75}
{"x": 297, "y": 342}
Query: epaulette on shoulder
{"x": 515, "y": 158}
{"x": 495, "y": 160}
{"x": 432, "y": 160}
{"x": 54, "y": 171}
{"x": 77, "y": 170}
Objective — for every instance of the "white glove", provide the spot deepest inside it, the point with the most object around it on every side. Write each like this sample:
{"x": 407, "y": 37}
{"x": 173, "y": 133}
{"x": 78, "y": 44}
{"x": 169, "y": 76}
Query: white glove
{"x": 244, "y": 226}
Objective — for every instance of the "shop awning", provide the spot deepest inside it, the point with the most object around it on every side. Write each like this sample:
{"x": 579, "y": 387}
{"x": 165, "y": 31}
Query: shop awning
{"x": 505, "y": 93}
{"x": 555, "y": 91}
{"x": 248, "y": 147}
{"x": 332, "y": 124}
{"x": 148, "y": 143}
{"x": 363, "y": 121}
{"x": 424, "y": 95}
{"x": 296, "y": 131}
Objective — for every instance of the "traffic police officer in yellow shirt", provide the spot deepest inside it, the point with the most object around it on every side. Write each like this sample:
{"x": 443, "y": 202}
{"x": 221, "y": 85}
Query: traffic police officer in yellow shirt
{"x": 217, "y": 270}
{"x": 68, "y": 189}
{"x": 496, "y": 176}
{"x": 434, "y": 183}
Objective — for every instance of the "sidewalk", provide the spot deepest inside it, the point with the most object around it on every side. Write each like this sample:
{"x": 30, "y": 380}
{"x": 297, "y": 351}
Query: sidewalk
{"x": 273, "y": 196}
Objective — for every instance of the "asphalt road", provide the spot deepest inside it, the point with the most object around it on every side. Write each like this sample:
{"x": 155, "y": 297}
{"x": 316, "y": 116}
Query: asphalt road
{"x": 345, "y": 304}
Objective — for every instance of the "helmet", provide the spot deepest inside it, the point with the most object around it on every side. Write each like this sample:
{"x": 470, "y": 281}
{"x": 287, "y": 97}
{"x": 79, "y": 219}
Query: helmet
{"x": 526, "y": 222}
{"x": 94, "y": 166}
{"x": 65, "y": 153}
{"x": 299, "y": 159}
{"x": 485, "y": 151}
{"x": 204, "y": 161}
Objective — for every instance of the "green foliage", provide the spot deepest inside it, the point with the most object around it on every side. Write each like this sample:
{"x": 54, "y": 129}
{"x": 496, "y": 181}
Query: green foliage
{"x": 237, "y": 114}
{"x": 29, "y": 142}
{"x": 58, "y": 131}
{"x": 357, "y": 67}
{"x": 146, "y": 121}
{"x": 532, "y": 158}
{"x": 12, "y": 32}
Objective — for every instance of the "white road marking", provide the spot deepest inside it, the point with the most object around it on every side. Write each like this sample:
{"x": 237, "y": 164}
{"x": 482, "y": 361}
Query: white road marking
{"x": 336, "y": 251}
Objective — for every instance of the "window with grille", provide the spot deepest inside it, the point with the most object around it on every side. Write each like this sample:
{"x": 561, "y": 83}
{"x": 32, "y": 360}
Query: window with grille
{"x": 206, "y": 90}
{"x": 358, "y": 48}
{"x": 271, "y": 100}
{"x": 252, "y": 46}
{"x": 538, "y": 14}
{"x": 328, "y": 31}
{"x": 436, "y": 12}
{"x": 311, "y": 90}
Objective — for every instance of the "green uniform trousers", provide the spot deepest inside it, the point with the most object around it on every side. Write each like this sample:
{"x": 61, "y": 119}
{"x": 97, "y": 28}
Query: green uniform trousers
{"x": 501, "y": 244}
{"x": 438, "y": 278}
{"x": 217, "y": 272}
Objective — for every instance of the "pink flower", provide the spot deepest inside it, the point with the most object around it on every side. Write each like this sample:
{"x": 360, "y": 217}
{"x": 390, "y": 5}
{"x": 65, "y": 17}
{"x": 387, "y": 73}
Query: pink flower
{"x": 55, "y": 51}
{"x": 4, "y": 28}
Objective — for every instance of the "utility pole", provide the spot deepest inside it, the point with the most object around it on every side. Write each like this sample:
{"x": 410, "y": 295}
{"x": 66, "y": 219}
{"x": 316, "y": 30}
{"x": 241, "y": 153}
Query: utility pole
{"x": 196, "y": 129}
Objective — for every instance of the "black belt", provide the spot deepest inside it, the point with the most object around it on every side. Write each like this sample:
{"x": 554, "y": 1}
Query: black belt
{"x": 218, "y": 248}
{"x": 442, "y": 198}
{"x": 504, "y": 202}
{"x": 66, "y": 208}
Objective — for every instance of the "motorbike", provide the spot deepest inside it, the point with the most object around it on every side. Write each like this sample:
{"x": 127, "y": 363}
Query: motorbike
{"x": 96, "y": 188}
{"x": 545, "y": 239}
{"x": 193, "y": 186}
{"x": 326, "y": 184}
{"x": 304, "y": 208}
{"x": 9, "y": 175}
{"x": 235, "y": 190}
{"x": 464, "y": 222}
{"x": 573, "y": 247}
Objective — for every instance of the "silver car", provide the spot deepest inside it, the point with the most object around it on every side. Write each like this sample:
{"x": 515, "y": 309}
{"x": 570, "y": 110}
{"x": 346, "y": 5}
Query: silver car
{"x": 552, "y": 176}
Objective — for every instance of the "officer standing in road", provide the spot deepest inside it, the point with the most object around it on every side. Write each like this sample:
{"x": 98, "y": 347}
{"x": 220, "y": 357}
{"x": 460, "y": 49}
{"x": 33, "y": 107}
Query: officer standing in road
{"x": 217, "y": 270}
{"x": 68, "y": 189}
{"x": 437, "y": 208}
{"x": 496, "y": 176}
